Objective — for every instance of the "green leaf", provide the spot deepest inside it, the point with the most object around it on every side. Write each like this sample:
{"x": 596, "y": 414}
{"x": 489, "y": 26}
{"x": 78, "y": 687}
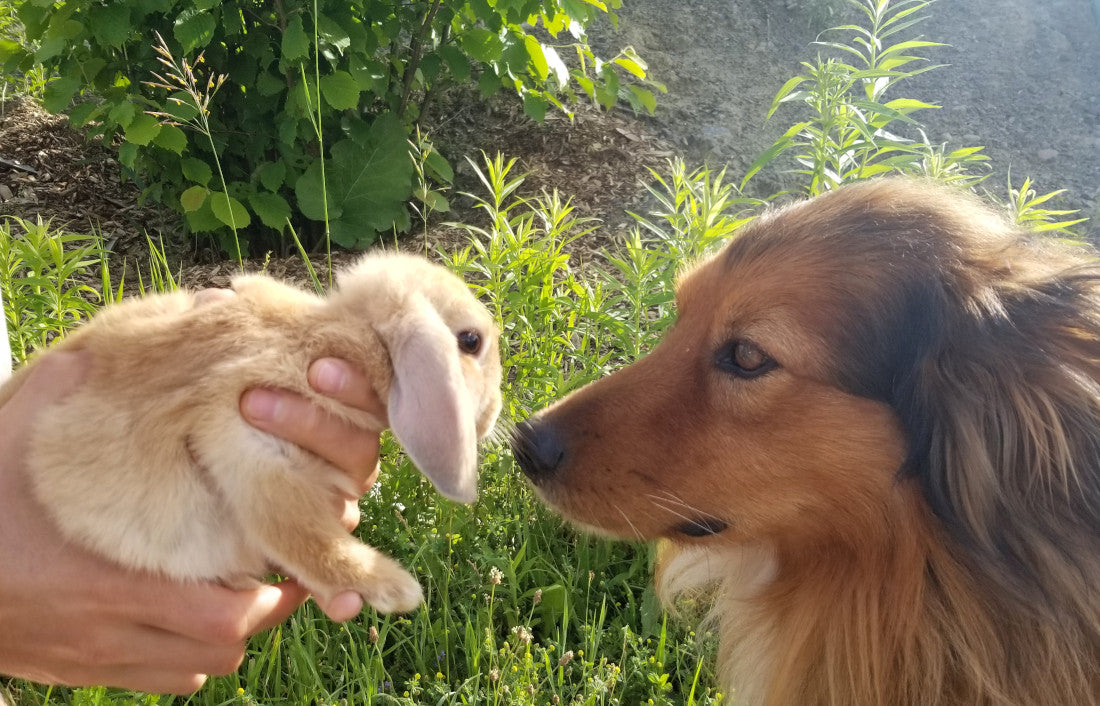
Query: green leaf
{"x": 196, "y": 171}
{"x": 482, "y": 45}
{"x": 633, "y": 64}
{"x": 272, "y": 209}
{"x": 192, "y": 199}
{"x": 142, "y": 129}
{"x": 171, "y": 138}
{"x": 202, "y": 220}
{"x": 369, "y": 74}
{"x": 534, "y": 105}
{"x": 272, "y": 175}
{"x": 436, "y": 201}
{"x": 122, "y": 113}
{"x": 489, "y": 83}
{"x": 9, "y": 49}
{"x": 607, "y": 95}
{"x": 340, "y": 90}
{"x": 557, "y": 67}
{"x": 295, "y": 43}
{"x": 59, "y": 93}
{"x": 439, "y": 167}
{"x": 229, "y": 210}
{"x": 333, "y": 34}
{"x": 80, "y": 115}
{"x": 586, "y": 84}
{"x": 906, "y": 105}
{"x": 51, "y": 47}
{"x": 268, "y": 84}
{"x": 194, "y": 29}
{"x": 785, "y": 91}
{"x": 538, "y": 57}
{"x": 181, "y": 106}
{"x": 456, "y": 61}
{"x": 127, "y": 154}
{"x": 367, "y": 185}
{"x": 90, "y": 68}
{"x": 110, "y": 23}
{"x": 644, "y": 98}
{"x": 779, "y": 147}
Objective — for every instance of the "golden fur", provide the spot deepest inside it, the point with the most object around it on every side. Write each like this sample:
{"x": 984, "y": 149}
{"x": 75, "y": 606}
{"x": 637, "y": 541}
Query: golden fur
{"x": 149, "y": 463}
{"x": 874, "y": 435}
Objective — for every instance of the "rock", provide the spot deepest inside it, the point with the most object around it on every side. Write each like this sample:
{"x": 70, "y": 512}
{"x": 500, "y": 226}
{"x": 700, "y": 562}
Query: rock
{"x": 1046, "y": 155}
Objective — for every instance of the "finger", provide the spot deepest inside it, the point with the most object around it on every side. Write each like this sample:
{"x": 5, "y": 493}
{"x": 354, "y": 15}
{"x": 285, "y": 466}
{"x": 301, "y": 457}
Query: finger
{"x": 150, "y": 681}
{"x": 296, "y": 419}
{"x": 213, "y": 614}
{"x": 349, "y": 514}
{"x": 54, "y": 375}
{"x": 341, "y": 381}
{"x": 342, "y": 607}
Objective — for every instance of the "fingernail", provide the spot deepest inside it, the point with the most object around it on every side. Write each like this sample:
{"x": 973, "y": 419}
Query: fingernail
{"x": 262, "y": 405}
{"x": 329, "y": 376}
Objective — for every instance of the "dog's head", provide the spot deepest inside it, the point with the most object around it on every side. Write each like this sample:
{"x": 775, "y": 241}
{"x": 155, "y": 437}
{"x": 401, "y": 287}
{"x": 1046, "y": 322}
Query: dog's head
{"x": 444, "y": 350}
{"x": 892, "y": 333}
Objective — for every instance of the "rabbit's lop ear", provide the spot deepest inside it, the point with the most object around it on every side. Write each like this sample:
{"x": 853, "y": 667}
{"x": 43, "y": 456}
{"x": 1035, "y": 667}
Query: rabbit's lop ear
{"x": 430, "y": 407}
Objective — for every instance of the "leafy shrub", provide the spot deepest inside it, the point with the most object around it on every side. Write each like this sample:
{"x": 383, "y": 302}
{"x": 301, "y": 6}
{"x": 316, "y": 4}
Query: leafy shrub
{"x": 318, "y": 100}
{"x": 16, "y": 83}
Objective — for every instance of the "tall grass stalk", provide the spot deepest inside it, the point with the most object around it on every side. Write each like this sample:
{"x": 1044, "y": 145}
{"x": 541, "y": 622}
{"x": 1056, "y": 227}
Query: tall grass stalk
{"x": 179, "y": 79}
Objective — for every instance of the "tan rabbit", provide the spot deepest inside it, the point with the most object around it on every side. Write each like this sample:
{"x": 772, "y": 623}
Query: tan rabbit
{"x": 149, "y": 463}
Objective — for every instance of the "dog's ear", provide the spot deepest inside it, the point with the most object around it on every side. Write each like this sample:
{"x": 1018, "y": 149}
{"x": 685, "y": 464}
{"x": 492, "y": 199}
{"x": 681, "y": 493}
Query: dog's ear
{"x": 1002, "y": 409}
{"x": 430, "y": 408}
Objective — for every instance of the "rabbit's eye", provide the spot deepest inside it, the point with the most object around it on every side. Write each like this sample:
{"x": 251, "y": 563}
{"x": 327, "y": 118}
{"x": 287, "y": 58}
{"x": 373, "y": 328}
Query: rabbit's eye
{"x": 469, "y": 342}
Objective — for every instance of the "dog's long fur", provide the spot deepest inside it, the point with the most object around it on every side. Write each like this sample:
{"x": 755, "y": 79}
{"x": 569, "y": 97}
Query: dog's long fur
{"x": 905, "y": 509}
{"x": 150, "y": 464}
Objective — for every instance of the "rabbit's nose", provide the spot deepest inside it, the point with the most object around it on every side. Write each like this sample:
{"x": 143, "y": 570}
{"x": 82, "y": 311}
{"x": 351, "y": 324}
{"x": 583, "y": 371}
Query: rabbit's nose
{"x": 537, "y": 447}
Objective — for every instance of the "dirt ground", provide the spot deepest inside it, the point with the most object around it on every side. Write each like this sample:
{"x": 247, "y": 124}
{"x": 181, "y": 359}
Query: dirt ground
{"x": 1021, "y": 78}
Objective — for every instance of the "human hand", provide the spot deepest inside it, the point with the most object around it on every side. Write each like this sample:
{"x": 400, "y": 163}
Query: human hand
{"x": 348, "y": 448}
{"x": 70, "y": 617}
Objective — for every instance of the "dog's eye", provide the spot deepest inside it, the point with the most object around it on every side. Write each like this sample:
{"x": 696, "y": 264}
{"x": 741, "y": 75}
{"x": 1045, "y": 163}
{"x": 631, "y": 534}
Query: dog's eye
{"x": 744, "y": 359}
{"x": 469, "y": 342}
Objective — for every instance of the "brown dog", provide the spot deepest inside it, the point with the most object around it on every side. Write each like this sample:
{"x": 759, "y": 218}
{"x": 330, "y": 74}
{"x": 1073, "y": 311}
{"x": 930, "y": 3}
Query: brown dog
{"x": 874, "y": 431}
{"x": 150, "y": 464}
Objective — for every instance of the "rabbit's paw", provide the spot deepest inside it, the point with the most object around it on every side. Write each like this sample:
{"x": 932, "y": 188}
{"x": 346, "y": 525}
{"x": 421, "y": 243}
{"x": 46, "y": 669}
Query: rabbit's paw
{"x": 392, "y": 590}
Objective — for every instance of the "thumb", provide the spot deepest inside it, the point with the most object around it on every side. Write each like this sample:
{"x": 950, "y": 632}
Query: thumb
{"x": 52, "y": 376}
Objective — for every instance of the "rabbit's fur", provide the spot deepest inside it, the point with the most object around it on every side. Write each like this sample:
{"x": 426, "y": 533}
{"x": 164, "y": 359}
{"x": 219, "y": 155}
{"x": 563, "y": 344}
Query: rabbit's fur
{"x": 150, "y": 464}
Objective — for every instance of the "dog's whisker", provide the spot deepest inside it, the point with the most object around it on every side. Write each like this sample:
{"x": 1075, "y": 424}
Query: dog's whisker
{"x": 691, "y": 521}
{"x": 633, "y": 528}
{"x": 667, "y": 496}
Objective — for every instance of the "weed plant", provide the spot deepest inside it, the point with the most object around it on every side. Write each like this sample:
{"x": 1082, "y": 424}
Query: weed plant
{"x": 853, "y": 131}
{"x": 41, "y": 281}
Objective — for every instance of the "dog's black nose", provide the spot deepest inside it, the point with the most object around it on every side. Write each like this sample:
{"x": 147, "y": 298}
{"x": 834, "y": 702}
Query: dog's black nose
{"x": 538, "y": 449}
